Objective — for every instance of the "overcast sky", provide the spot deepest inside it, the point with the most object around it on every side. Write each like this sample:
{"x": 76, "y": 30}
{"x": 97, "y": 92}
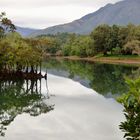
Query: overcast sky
{"x": 46, "y": 13}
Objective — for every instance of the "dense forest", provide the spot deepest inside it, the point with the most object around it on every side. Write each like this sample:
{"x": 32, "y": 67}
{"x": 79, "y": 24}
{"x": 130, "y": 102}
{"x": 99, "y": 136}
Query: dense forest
{"x": 104, "y": 39}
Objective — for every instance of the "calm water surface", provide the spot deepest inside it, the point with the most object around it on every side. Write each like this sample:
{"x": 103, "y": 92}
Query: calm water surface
{"x": 75, "y": 103}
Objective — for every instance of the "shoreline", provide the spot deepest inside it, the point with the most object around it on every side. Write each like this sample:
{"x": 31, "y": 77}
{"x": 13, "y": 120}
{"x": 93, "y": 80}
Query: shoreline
{"x": 20, "y": 75}
{"x": 106, "y": 60}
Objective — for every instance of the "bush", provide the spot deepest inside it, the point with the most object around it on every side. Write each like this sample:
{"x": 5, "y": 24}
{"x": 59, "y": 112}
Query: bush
{"x": 131, "y": 103}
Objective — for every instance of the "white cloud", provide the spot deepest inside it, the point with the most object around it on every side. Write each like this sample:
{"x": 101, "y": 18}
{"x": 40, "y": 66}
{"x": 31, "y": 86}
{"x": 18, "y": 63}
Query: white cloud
{"x": 38, "y": 3}
{"x": 45, "y": 13}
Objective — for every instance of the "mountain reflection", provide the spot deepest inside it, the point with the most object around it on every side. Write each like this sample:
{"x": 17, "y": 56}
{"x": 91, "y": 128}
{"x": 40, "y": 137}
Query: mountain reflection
{"x": 17, "y": 97}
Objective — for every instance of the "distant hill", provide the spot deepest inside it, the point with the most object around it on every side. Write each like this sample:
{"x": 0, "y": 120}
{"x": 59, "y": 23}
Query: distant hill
{"x": 25, "y": 31}
{"x": 121, "y": 13}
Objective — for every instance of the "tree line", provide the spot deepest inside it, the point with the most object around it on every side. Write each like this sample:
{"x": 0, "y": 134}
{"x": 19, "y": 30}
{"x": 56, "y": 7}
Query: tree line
{"x": 104, "y": 39}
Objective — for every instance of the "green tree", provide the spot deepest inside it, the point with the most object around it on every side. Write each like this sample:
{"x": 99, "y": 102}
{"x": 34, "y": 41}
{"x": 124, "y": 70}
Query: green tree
{"x": 114, "y": 40}
{"x": 132, "y": 47}
{"x": 101, "y": 36}
{"x": 5, "y": 25}
{"x": 16, "y": 53}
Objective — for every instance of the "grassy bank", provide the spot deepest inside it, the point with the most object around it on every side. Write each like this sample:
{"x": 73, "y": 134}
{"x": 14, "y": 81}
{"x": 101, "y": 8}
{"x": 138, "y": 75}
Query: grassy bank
{"x": 121, "y": 59}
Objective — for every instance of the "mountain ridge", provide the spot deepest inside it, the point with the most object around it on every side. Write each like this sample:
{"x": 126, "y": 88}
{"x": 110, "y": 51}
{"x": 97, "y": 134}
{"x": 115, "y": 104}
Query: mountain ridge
{"x": 120, "y": 13}
{"x": 25, "y": 31}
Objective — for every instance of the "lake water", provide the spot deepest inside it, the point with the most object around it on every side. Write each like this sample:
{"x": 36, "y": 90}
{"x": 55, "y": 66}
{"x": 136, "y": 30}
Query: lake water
{"x": 77, "y": 102}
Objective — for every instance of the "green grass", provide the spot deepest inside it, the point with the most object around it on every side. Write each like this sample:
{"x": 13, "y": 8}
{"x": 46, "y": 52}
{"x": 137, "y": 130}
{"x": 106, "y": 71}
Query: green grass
{"x": 135, "y": 57}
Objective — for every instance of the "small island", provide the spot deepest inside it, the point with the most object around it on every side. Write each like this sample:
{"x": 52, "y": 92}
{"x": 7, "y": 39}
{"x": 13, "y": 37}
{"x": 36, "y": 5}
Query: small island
{"x": 20, "y": 58}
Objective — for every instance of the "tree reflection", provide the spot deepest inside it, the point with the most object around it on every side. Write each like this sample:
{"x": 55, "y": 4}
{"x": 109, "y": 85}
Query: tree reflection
{"x": 17, "y": 97}
{"x": 106, "y": 79}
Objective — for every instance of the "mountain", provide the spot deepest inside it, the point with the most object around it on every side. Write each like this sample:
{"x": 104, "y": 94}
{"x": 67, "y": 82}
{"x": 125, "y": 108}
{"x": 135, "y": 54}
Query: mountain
{"x": 25, "y": 31}
{"x": 120, "y": 13}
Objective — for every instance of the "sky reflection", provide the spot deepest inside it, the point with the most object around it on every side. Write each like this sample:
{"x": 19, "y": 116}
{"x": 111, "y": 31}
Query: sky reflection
{"x": 79, "y": 114}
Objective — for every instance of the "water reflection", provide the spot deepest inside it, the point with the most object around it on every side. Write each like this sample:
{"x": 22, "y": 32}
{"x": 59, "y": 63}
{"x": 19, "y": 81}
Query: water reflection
{"x": 80, "y": 114}
{"x": 106, "y": 79}
{"x": 17, "y": 97}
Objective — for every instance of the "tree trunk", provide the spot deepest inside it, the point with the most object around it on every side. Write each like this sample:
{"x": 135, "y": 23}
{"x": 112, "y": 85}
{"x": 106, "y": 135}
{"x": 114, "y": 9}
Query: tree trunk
{"x": 27, "y": 69}
{"x": 32, "y": 69}
{"x": 40, "y": 68}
